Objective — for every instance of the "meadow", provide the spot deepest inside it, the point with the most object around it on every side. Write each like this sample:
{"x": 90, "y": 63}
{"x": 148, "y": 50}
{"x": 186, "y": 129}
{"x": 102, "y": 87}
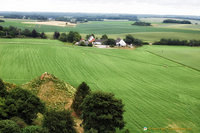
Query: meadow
{"x": 158, "y": 91}
{"x": 117, "y": 29}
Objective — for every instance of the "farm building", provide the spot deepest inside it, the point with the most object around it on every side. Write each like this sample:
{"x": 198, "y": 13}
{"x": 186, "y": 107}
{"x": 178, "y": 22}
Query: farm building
{"x": 98, "y": 42}
{"x": 91, "y": 39}
{"x": 120, "y": 42}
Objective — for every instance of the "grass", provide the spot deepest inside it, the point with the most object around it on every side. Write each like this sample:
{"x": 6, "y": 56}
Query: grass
{"x": 157, "y": 93}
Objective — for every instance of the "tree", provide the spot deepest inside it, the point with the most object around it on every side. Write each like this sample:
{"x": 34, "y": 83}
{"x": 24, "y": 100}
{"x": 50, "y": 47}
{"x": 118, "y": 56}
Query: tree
{"x": 73, "y": 36}
{"x": 59, "y": 122}
{"x": 102, "y": 112}
{"x": 9, "y": 126}
{"x": 82, "y": 91}
{"x": 1, "y": 28}
{"x": 56, "y": 35}
{"x": 104, "y": 37}
{"x": 34, "y": 33}
{"x": 27, "y": 33}
{"x": 63, "y": 37}
{"x": 24, "y": 104}
{"x": 3, "y": 91}
{"x": 110, "y": 42}
{"x": 34, "y": 129}
{"x": 42, "y": 35}
{"x": 129, "y": 39}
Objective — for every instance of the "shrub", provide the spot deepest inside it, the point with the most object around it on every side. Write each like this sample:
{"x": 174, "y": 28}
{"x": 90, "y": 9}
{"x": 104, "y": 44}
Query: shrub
{"x": 24, "y": 104}
{"x": 20, "y": 122}
{"x": 3, "y": 91}
{"x": 63, "y": 37}
{"x": 34, "y": 129}
{"x": 82, "y": 91}
{"x": 59, "y": 122}
{"x": 9, "y": 126}
{"x": 102, "y": 112}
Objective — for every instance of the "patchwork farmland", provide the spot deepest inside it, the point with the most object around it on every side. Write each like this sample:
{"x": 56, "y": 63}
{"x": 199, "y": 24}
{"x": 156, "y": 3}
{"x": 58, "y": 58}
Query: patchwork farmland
{"x": 157, "y": 84}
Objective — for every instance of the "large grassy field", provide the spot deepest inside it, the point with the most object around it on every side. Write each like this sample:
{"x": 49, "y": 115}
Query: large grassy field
{"x": 117, "y": 29}
{"x": 157, "y": 92}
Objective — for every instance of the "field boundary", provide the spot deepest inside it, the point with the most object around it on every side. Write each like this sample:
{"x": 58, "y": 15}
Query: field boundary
{"x": 173, "y": 61}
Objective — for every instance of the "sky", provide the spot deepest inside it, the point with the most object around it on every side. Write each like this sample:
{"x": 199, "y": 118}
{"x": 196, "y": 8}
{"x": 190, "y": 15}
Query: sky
{"x": 161, "y": 7}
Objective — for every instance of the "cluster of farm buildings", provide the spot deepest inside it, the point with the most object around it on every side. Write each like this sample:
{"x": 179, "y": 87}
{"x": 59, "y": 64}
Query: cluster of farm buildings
{"x": 100, "y": 42}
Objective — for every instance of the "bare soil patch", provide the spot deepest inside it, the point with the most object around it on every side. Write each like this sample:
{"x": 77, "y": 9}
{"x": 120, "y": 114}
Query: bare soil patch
{"x": 52, "y": 23}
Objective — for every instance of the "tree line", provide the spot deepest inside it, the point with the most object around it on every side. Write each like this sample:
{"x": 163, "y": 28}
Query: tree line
{"x": 177, "y": 21}
{"x": 139, "y": 23}
{"x": 176, "y": 42}
{"x": 14, "y": 32}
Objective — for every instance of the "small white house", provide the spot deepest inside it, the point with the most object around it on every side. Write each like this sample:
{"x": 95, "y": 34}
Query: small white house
{"x": 121, "y": 43}
{"x": 91, "y": 39}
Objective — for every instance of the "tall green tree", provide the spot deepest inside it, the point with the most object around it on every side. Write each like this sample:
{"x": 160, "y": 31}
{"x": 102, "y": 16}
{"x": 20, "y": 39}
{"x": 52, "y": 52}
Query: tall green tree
{"x": 104, "y": 37}
{"x": 3, "y": 91}
{"x": 63, "y": 37}
{"x": 34, "y": 33}
{"x": 82, "y": 91}
{"x": 59, "y": 122}
{"x": 102, "y": 112}
{"x": 24, "y": 104}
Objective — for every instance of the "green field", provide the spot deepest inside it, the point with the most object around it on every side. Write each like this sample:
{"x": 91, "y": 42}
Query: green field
{"x": 117, "y": 29}
{"x": 157, "y": 92}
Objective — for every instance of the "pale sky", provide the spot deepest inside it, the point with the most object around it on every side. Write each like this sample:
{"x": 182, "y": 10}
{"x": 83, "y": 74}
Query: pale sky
{"x": 164, "y": 7}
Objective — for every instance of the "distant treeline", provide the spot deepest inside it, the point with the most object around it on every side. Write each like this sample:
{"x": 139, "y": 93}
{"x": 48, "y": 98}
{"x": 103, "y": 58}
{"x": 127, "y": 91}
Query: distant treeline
{"x": 176, "y": 42}
{"x": 177, "y": 21}
{"x": 34, "y": 17}
{"x": 142, "y": 23}
{"x": 2, "y": 21}
{"x": 13, "y": 32}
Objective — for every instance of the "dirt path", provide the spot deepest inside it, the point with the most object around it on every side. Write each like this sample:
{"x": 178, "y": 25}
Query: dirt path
{"x": 78, "y": 121}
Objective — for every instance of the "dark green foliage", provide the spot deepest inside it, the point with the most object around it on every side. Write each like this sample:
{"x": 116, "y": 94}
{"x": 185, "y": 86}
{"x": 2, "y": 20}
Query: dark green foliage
{"x": 131, "y": 40}
{"x": 56, "y": 35}
{"x": 20, "y": 122}
{"x": 104, "y": 37}
{"x": 177, "y": 21}
{"x": 1, "y": 28}
{"x": 102, "y": 112}
{"x": 63, "y": 37}
{"x": 139, "y": 23}
{"x": 1, "y": 21}
{"x": 90, "y": 44}
{"x": 73, "y": 36}
{"x": 24, "y": 104}
{"x": 27, "y": 33}
{"x": 43, "y": 36}
{"x": 3, "y": 109}
{"x": 34, "y": 33}
{"x": 59, "y": 122}
{"x": 82, "y": 91}
{"x": 176, "y": 42}
{"x": 34, "y": 129}
{"x": 3, "y": 91}
{"x": 110, "y": 42}
{"x": 9, "y": 126}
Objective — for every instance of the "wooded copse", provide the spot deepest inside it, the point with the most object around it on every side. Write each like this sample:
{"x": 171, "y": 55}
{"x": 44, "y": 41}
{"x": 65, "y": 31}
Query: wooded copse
{"x": 177, "y": 21}
{"x": 14, "y": 32}
{"x": 176, "y": 42}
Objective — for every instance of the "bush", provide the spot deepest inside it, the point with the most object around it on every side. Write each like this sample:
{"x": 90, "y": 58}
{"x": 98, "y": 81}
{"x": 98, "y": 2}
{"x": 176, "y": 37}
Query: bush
{"x": 9, "y": 126}
{"x": 59, "y": 122}
{"x": 110, "y": 42}
{"x": 102, "y": 112}
{"x": 142, "y": 24}
{"x": 3, "y": 91}
{"x": 24, "y": 104}
{"x": 34, "y": 129}
{"x": 20, "y": 122}
{"x": 63, "y": 37}
{"x": 82, "y": 91}
{"x": 2, "y": 21}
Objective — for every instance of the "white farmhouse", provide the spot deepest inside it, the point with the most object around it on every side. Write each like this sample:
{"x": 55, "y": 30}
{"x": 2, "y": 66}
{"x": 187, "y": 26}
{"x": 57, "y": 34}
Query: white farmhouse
{"x": 120, "y": 43}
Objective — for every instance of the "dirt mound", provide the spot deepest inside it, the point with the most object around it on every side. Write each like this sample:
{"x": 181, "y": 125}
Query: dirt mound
{"x": 54, "y": 92}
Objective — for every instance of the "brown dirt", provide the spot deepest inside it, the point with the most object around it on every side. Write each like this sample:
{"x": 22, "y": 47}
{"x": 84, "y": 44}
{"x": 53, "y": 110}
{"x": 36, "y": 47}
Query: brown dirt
{"x": 52, "y": 23}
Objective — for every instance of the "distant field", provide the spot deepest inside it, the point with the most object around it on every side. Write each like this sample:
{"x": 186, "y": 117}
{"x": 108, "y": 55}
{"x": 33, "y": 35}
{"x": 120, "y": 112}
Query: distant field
{"x": 118, "y": 29}
{"x": 157, "y": 93}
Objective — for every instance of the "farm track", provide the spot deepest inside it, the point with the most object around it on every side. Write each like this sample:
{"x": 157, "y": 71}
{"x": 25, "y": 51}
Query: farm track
{"x": 175, "y": 61}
